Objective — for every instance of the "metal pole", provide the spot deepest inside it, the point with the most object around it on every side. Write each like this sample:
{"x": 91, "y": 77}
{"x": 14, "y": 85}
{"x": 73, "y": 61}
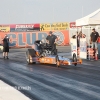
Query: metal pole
{"x": 89, "y": 43}
{"x": 82, "y": 11}
{"x": 9, "y": 16}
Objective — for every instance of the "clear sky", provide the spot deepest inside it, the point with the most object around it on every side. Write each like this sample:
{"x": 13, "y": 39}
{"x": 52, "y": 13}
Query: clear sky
{"x": 45, "y": 11}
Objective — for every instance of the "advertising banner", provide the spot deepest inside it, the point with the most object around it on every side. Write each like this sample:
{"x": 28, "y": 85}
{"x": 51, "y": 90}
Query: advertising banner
{"x": 4, "y": 28}
{"x": 73, "y": 46}
{"x": 73, "y": 25}
{"x": 54, "y": 26}
{"x": 24, "y": 27}
{"x": 83, "y": 48}
{"x": 25, "y": 39}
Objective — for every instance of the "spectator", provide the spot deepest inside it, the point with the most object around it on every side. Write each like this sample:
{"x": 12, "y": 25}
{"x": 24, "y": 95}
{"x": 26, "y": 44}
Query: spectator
{"x": 82, "y": 35}
{"x": 77, "y": 36}
{"x": 93, "y": 38}
{"x": 5, "y": 46}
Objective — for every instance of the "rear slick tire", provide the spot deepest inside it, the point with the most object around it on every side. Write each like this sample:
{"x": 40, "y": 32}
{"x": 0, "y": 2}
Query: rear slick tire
{"x": 74, "y": 59}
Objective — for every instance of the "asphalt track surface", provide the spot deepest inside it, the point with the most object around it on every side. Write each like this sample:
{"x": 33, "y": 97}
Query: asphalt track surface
{"x": 47, "y": 82}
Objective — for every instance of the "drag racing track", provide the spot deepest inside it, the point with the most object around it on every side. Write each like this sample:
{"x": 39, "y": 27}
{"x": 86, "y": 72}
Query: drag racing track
{"x": 47, "y": 82}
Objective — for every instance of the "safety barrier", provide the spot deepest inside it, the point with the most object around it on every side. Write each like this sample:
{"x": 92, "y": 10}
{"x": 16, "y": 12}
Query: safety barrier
{"x": 92, "y": 54}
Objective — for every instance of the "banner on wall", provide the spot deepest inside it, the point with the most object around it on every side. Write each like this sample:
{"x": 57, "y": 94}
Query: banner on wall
{"x": 83, "y": 48}
{"x": 24, "y": 39}
{"x": 24, "y": 27}
{"x": 73, "y": 25}
{"x": 4, "y": 28}
{"x": 54, "y": 26}
{"x": 73, "y": 46}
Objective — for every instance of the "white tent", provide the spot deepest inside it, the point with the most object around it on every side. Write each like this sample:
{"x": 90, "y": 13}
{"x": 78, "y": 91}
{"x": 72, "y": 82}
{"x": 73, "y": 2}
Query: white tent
{"x": 91, "y": 19}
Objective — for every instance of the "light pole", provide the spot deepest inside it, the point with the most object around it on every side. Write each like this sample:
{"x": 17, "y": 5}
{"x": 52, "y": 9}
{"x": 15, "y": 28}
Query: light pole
{"x": 82, "y": 11}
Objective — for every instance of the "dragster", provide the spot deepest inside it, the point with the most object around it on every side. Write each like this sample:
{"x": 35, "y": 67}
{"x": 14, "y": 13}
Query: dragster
{"x": 42, "y": 53}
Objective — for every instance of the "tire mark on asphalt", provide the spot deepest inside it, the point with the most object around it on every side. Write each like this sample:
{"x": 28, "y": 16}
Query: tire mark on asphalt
{"x": 53, "y": 90}
{"x": 73, "y": 81}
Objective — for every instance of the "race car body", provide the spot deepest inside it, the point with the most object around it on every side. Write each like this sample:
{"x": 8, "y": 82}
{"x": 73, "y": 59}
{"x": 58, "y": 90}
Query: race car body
{"x": 42, "y": 53}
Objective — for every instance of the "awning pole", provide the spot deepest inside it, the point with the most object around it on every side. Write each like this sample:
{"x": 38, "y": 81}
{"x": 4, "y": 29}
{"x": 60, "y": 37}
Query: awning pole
{"x": 89, "y": 42}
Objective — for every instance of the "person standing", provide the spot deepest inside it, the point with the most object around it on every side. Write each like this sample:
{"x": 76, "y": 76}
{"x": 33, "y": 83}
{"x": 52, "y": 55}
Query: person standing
{"x": 51, "y": 40}
{"x": 5, "y": 46}
{"x": 93, "y": 38}
{"x": 78, "y": 39}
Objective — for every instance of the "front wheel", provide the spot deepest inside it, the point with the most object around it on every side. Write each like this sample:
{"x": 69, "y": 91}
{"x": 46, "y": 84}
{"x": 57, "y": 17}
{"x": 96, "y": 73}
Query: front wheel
{"x": 57, "y": 61}
{"x": 28, "y": 61}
